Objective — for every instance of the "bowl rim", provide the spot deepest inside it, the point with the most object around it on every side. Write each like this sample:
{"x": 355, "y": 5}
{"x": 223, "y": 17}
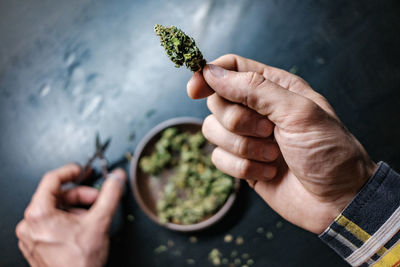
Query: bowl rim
{"x": 133, "y": 180}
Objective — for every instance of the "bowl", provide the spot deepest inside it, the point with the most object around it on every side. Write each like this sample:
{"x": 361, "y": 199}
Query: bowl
{"x": 146, "y": 191}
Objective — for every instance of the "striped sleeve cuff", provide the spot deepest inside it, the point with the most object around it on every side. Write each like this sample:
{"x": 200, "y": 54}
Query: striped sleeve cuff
{"x": 367, "y": 232}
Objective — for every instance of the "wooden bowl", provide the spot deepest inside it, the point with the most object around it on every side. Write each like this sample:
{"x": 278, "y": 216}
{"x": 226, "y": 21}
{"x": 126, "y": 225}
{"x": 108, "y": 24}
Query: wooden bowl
{"x": 146, "y": 189}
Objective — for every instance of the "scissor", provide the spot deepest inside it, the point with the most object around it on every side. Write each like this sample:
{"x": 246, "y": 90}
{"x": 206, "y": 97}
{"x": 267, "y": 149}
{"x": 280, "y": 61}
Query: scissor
{"x": 99, "y": 153}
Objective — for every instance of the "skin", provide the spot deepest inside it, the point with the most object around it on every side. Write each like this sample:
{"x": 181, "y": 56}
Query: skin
{"x": 284, "y": 138}
{"x": 51, "y": 236}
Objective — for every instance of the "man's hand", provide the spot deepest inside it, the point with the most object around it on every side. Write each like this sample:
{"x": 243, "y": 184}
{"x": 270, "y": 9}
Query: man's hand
{"x": 274, "y": 131}
{"x": 53, "y": 233}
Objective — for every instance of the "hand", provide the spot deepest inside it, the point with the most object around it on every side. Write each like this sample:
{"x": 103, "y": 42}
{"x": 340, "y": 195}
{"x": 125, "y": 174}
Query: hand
{"x": 272, "y": 129}
{"x": 49, "y": 236}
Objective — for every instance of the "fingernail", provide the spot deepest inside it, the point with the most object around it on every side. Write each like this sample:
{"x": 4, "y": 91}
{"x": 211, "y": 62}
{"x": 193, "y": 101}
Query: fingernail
{"x": 217, "y": 71}
{"x": 262, "y": 128}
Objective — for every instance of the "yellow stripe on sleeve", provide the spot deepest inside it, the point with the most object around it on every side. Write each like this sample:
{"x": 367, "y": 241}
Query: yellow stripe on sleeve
{"x": 353, "y": 228}
{"x": 357, "y": 231}
{"x": 391, "y": 258}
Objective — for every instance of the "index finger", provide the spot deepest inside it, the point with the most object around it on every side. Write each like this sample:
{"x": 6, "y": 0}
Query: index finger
{"x": 198, "y": 88}
{"x": 50, "y": 186}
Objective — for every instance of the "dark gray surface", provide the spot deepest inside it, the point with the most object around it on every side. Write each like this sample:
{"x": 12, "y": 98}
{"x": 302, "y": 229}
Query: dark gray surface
{"x": 71, "y": 68}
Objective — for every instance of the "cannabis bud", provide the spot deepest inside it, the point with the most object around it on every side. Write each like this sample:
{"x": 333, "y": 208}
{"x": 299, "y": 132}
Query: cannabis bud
{"x": 180, "y": 48}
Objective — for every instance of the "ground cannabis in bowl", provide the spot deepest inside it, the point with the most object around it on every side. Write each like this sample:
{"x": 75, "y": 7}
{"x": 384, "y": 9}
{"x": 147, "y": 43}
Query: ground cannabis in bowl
{"x": 197, "y": 189}
{"x": 180, "y": 48}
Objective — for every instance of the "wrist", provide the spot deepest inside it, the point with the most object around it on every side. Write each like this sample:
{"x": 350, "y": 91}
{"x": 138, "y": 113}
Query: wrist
{"x": 335, "y": 208}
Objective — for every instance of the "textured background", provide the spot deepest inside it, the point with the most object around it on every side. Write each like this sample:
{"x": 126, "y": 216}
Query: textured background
{"x": 71, "y": 68}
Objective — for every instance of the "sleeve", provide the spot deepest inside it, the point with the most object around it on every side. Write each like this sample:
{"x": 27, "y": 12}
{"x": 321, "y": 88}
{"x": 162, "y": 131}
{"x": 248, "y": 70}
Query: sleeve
{"x": 367, "y": 232}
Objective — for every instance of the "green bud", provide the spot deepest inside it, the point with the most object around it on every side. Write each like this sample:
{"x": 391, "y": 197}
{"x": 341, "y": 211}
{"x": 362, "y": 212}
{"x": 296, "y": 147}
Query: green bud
{"x": 180, "y": 48}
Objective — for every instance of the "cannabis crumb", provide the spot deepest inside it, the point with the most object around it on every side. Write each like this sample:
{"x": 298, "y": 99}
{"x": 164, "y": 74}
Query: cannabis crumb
{"x": 245, "y": 256}
{"x": 177, "y": 253}
{"x": 279, "y": 224}
{"x": 190, "y": 261}
{"x": 193, "y": 239}
{"x": 215, "y": 257}
{"x": 239, "y": 240}
{"x": 224, "y": 261}
{"x": 170, "y": 243}
{"x": 237, "y": 261}
{"x": 160, "y": 249}
{"x": 250, "y": 262}
{"x": 294, "y": 69}
{"x": 228, "y": 238}
{"x": 269, "y": 235}
{"x": 260, "y": 230}
{"x": 130, "y": 218}
{"x": 234, "y": 253}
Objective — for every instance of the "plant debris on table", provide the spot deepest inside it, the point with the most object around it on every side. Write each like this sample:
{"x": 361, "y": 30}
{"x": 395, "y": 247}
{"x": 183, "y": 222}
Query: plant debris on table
{"x": 269, "y": 235}
{"x": 228, "y": 238}
{"x": 180, "y": 48}
{"x": 160, "y": 249}
{"x": 193, "y": 239}
{"x": 239, "y": 240}
{"x": 215, "y": 257}
{"x": 196, "y": 189}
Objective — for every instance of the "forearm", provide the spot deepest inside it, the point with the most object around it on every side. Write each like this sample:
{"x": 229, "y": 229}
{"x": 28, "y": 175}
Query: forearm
{"x": 367, "y": 232}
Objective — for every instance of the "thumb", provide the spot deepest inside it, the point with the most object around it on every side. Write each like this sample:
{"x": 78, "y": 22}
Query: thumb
{"x": 251, "y": 89}
{"x": 107, "y": 201}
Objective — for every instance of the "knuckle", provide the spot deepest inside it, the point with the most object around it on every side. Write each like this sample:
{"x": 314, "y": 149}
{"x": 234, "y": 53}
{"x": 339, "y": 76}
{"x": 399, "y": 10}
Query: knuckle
{"x": 48, "y": 176}
{"x": 256, "y": 84}
{"x": 30, "y": 215}
{"x": 273, "y": 171}
{"x": 73, "y": 168}
{"x": 254, "y": 79}
{"x": 306, "y": 107}
{"x": 244, "y": 168}
{"x": 214, "y": 103}
{"x": 296, "y": 81}
{"x": 20, "y": 246}
{"x": 214, "y": 157}
{"x": 228, "y": 56}
{"x": 206, "y": 128}
{"x": 34, "y": 214}
{"x": 322, "y": 99}
{"x": 300, "y": 81}
{"x": 27, "y": 212}
{"x": 274, "y": 150}
{"x": 19, "y": 230}
{"x": 210, "y": 103}
{"x": 310, "y": 108}
{"x": 241, "y": 146}
{"x": 233, "y": 118}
